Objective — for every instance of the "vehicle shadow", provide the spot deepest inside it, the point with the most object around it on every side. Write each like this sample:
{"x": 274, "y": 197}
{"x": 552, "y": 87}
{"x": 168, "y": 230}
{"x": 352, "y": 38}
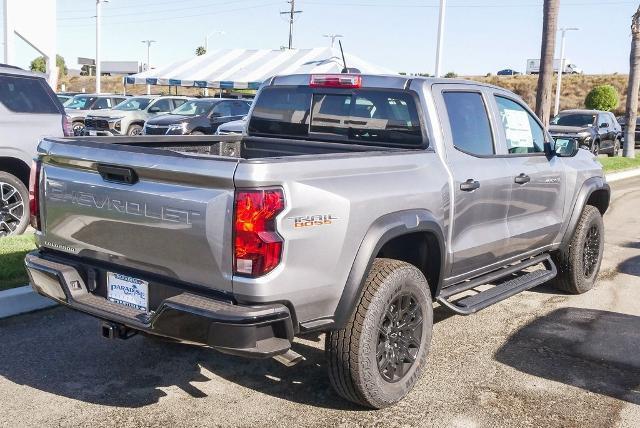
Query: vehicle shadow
{"x": 630, "y": 266}
{"x": 59, "y": 351}
{"x": 590, "y": 349}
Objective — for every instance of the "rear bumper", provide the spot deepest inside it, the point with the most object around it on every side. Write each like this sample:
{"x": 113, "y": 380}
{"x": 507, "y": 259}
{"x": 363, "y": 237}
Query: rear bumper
{"x": 252, "y": 331}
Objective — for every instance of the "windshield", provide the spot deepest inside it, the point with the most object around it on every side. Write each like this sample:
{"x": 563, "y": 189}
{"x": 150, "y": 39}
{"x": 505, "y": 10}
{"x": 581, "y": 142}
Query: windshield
{"x": 575, "y": 119}
{"x": 80, "y": 102}
{"x": 362, "y": 116}
{"x": 133, "y": 104}
{"x": 194, "y": 108}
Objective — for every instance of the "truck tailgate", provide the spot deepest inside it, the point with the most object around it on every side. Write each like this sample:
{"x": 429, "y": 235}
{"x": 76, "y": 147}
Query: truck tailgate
{"x": 173, "y": 220}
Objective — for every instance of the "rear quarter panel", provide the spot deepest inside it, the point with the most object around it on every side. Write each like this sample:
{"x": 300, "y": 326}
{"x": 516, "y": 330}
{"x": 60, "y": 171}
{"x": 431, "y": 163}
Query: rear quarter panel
{"x": 348, "y": 193}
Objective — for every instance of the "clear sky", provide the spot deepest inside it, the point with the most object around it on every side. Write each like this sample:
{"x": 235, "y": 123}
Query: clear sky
{"x": 481, "y": 36}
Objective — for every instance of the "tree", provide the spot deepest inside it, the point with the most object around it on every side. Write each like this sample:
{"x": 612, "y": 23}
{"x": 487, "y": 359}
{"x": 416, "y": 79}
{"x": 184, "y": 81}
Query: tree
{"x": 451, "y": 75}
{"x": 547, "y": 50}
{"x": 631, "y": 115}
{"x": 40, "y": 65}
{"x": 201, "y": 50}
{"x": 602, "y": 97}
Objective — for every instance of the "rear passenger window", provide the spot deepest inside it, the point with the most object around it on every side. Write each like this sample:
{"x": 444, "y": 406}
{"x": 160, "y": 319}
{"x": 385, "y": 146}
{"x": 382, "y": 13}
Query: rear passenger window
{"x": 523, "y": 133}
{"x": 470, "y": 127}
{"x": 26, "y": 95}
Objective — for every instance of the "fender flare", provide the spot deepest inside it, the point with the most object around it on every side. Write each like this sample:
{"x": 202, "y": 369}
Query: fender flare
{"x": 588, "y": 187}
{"x": 383, "y": 230}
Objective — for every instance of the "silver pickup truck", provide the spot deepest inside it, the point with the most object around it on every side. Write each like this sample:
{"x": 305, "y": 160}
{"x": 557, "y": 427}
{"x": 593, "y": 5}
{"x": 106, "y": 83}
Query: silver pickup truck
{"x": 353, "y": 204}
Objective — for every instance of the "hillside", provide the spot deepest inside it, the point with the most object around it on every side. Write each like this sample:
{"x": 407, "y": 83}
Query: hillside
{"x": 574, "y": 87}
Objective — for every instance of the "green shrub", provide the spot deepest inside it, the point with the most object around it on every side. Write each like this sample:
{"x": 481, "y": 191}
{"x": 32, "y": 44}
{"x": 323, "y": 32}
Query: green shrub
{"x": 451, "y": 75}
{"x": 603, "y": 97}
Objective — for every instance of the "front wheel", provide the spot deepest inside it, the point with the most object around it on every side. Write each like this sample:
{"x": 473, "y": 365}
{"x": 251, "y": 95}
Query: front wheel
{"x": 14, "y": 205}
{"x": 595, "y": 148}
{"x": 78, "y": 128}
{"x": 378, "y": 357}
{"x": 579, "y": 262}
{"x": 134, "y": 130}
{"x": 616, "y": 149}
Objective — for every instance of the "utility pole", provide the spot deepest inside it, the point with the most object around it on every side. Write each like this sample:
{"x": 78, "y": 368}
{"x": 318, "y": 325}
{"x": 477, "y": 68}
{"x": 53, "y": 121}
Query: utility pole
{"x": 98, "y": 59}
{"x": 292, "y": 14}
{"x": 443, "y": 6}
{"x": 556, "y": 108}
{"x": 148, "y": 43}
{"x": 333, "y": 37}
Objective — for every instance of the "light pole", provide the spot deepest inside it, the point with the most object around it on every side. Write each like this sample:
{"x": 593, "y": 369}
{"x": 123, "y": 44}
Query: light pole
{"x": 206, "y": 38}
{"x": 333, "y": 37}
{"x": 443, "y": 5}
{"x": 98, "y": 65}
{"x": 556, "y": 108}
{"x": 148, "y": 43}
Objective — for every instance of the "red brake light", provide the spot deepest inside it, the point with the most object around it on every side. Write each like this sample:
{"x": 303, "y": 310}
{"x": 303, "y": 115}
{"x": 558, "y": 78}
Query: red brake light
{"x": 34, "y": 194}
{"x": 67, "y": 129}
{"x": 257, "y": 245}
{"x": 347, "y": 81}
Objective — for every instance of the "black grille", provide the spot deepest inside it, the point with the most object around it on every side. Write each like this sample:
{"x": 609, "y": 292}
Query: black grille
{"x": 155, "y": 131}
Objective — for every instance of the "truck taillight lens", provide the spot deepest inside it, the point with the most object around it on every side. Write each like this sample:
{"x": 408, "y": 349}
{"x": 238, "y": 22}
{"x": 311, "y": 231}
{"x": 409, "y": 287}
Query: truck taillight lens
{"x": 34, "y": 194}
{"x": 257, "y": 245}
{"x": 67, "y": 129}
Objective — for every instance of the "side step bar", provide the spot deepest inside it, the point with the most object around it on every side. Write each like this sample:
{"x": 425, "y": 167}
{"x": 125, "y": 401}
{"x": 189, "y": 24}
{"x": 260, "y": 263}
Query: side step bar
{"x": 471, "y": 304}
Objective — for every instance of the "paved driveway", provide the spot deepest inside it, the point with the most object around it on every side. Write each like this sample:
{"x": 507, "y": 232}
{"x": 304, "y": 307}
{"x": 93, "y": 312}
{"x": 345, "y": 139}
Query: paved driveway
{"x": 538, "y": 359}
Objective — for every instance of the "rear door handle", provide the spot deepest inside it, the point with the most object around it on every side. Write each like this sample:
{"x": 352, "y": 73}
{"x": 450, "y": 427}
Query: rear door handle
{"x": 522, "y": 179}
{"x": 470, "y": 185}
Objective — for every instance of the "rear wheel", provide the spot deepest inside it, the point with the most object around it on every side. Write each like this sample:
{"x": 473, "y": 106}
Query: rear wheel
{"x": 579, "y": 262}
{"x": 379, "y": 356}
{"x": 134, "y": 130}
{"x": 14, "y": 205}
{"x": 616, "y": 149}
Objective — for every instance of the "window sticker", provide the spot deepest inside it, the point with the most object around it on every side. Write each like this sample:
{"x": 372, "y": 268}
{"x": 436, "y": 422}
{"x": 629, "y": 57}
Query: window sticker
{"x": 517, "y": 128}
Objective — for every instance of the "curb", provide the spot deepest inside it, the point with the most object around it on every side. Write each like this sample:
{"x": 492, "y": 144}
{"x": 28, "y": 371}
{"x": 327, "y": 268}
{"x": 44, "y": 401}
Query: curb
{"x": 622, "y": 175}
{"x": 21, "y": 300}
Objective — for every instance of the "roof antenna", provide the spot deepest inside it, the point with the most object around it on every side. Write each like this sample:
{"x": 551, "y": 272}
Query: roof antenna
{"x": 344, "y": 61}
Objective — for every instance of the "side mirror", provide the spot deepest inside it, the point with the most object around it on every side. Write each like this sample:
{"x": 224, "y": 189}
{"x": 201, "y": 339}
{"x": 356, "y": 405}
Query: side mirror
{"x": 604, "y": 125}
{"x": 154, "y": 109}
{"x": 566, "y": 147}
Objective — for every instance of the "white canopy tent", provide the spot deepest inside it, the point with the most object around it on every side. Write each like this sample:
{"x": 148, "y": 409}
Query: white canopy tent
{"x": 248, "y": 68}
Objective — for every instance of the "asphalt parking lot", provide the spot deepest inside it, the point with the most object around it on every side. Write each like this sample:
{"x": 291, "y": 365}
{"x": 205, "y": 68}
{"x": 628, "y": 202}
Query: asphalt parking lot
{"x": 539, "y": 359}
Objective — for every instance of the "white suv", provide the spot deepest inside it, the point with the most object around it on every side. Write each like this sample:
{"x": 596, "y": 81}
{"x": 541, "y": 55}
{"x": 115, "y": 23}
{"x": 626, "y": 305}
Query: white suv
{"x": 128, "y": 117}
{"x": 29, "y": 111}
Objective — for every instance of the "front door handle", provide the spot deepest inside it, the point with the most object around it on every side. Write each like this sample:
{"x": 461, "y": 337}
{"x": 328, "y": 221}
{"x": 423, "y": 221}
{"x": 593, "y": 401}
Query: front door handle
{"x": 470, "y": 185}
{"x": 522, "y": 179}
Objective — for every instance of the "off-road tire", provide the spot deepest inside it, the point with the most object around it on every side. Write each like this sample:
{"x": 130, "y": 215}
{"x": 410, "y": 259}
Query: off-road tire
{"x": 19, "y": 226}
{"x": 134, "y": 130}
{"x": 351, "y": 351}
{"x": 569, "y": 260}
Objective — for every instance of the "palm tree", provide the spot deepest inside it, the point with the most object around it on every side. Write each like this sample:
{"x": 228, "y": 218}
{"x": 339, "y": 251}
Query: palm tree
{"x": 631, "y": 116}
{"x": 547, "y": 51}
{"x": 201, "y": 50}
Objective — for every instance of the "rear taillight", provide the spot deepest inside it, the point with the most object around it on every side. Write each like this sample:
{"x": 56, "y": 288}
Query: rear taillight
{"x": 257, "y": 245}
{"x": 67, "y": 129}
{"x": 347, "y": 81}
{"x": 34, "y": 194}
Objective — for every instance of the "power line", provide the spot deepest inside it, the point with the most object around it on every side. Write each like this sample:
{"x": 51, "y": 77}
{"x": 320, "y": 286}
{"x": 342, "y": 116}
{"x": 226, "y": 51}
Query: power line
{"x": 462, "y": 6}
{"x": 292, "y": 14}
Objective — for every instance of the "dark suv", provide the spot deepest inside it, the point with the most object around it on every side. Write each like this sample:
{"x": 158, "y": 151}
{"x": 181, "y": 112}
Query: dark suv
{"x": 623, "y": 124}
{"x": 198, "y": 117}
{"x": 598, "y": 131}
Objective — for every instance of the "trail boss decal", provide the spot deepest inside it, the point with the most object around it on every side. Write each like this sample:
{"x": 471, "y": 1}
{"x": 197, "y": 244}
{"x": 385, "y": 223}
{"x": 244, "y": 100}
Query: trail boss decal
{"x": 313, "y": 220}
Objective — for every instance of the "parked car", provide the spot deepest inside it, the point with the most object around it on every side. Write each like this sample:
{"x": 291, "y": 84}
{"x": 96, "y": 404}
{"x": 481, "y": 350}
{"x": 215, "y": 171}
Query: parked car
{"x": 597, "y": 131}
{"x": 129, "y": 117}
{"x": 508, "y": 72}
{"x": 84, "y": 104}
{"x": 29, "y": 110}
{"x": 198, "y": 117}
{"x": 623, "y": 124}
{"x": 63, "y": 98}
{"x": 231, "y": 128}
{"x": 352, "y": 204}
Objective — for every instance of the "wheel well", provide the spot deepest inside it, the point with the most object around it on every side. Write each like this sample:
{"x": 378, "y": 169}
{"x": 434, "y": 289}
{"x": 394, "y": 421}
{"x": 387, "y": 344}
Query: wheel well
{"x": 599, "y": 199}
{"x": 421, "y": 249}
{"x": 17, "y": 168}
